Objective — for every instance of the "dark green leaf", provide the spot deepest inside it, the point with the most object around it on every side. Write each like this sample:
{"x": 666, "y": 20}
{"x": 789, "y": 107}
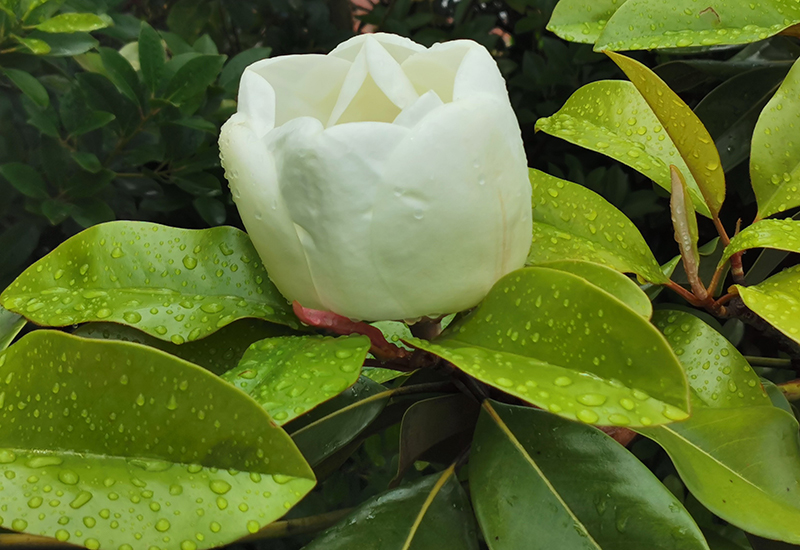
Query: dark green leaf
{"x": 67, "y": 45}
{"x": 25, "y": 179}
{"x": 34, "y": 45}
{"x": 200, "y": 184}
{"x": 10, "y": 325}
{"x": 55, "y": 210}
{"x": 121, "y": 73}
{"x": 211, "y": 210}
{"x": 193, "y": 77}
{"x": 87, "y": 161}
{"x": 232, "y": 72}
{"x": 91, "y": 211}
{"x": 29, "y": 86}
{"x": 197, "y": 123}
{"x": 151, "y": 56}
{"x": 84, "y": 184}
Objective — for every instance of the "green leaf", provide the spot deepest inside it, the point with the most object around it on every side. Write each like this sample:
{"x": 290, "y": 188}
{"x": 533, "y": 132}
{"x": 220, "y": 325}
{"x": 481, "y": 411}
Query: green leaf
{"x": 74, "y": 22}
{"x": 29, "y": 86}
{"x": 232, "y": 72}
{"x": 613, "y": 282}
{"x": 775, "y": 234}
{"x": 25, "y": 179}
{"x": 193, "y": 78}
{"x": 91, "y": 211}
{"x": 611, "y": 117}
{"x": 211, "y": 210}
{"x": 777, "y": 300}
{"x": 87, "y": 161}
{"x": 775, "y": 155}
{"x": 653, "y": 24}
{"x": 10, "y": 325}
{"x": 200, "y": 184}
{"x": 430, "y": 514}
{"x": 55, "y": 210}
{"x": 582, "y": 20}
{"x": 34, "y": 45}
{"x": 66, "y": 44}
{"x": 288, "y": 376}
{"x": 738, "y": 454}
{"x": 114, "y": 427}
{"x": 174, "y": 284}
{"x": 571, "y": 222}
{"x": 557, "y": 341}
{"x": 197, "y": 123}
{"x": 92, "y": 120}
{"x": 17, "y": 243}
{"x": 541, "y": 482}
{"x": 121, "y": 73}
{"x": 218, "y": 353}
{"x": 684, "y": 128}
{"x": 151, "y": 56}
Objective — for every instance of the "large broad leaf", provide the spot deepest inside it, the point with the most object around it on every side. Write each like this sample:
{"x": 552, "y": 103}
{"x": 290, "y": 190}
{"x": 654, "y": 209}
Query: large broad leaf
{"x": 290, "y": 375}
{"x": 582, "y": 20}
{"x": 612, "y": 118}
{"x": 571, "y": 222}
{"x": 684, "y": 128}
{"x": 174, "y": 284}
{"x": 219, "y": 352}
{"x": 777, "y": 300}
{"x": 10, "y": 325}
{"x": 430, "y": 514}
{"x": 652, "y": 24}
{"x": 555, "y": 340}
{"x": 775, "y": 153}
{"x": 540, "y": 482}
{"x": 112, "y": 444}
{"x": 738, "y": 454}
{"x": 776, "y": 234}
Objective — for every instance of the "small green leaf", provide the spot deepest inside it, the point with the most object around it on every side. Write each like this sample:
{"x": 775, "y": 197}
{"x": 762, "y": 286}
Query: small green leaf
{"x": 232, "y": 72}
{"x": 738, "y": 454}
{"x": 557, "y": 341}
{"x": 612, "y": 118}
{"x": 613, "y": 282}
{"x": 114, "y": 427}
{"x": 775, "y": 155}
{"x": 34, "y": 45}
{"x": 175, "y": 284}
{"x": 571, "y": 222}
{"x": 193, "y": 77}
{"x": 653, "y": 24}
{"x": 66, "y": 44}
{"x": 777, "y": 300}
{"x": 74, "y": 22}
{"x": 151, "y": 56}
{"x": 582, "y": 20}
{"x": 91, "y": 211}
{"x": 25, "y": 179}
{"x": 684, "y": 128}
{"x": 289, "y": 376}
{"x": 87, "y": 161}
{"x": 200, "y": 184}
{"x": 430, "y": 514}
{"x": 197, "y": 123}
{"x": 121, "y": 73}
{"x": 211, "y": 210}
{"x": 92, "y": 120}
{"x": 775, "y": 234}
{"x": 29, "y": 86}
{"x": 540, "y": 482}
{"x": 10, "y": 325}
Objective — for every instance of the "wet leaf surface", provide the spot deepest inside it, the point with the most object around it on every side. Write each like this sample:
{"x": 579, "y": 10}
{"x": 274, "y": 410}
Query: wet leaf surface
{"x": 777, "y": 300}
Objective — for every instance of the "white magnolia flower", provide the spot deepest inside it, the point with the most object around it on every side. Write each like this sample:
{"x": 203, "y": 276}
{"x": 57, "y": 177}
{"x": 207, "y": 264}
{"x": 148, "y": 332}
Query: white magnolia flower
{"x": 382, "y": 181}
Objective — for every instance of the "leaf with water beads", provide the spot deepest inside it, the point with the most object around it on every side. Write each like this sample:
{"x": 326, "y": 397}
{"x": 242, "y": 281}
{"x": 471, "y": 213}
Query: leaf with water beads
{"x": 556, "y": 341}
{"x": 177, "y": 285}
{"x": 612, "y": 118}
{"x": 571, "y": 222}
{"x": 655, "y": 24}
{"x": 10, "y": 325}
{"x": 582, "y": 20}
{"x": 775, "y": 234}
{"x": 738, "y": 454}
{"x": 540, "y": 482}
{"x": 777, "y": 300}
{"x": 291, "y": 375}
{"x": 107, "y": 444}
{"x": 775, "y": 153}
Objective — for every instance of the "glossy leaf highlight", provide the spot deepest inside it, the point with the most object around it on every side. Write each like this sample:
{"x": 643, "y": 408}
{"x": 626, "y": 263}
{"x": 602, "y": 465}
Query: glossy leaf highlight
{"x": 777, "y": 300}
{"x": 582, "y": 20}
{"x": 774, "y": 234}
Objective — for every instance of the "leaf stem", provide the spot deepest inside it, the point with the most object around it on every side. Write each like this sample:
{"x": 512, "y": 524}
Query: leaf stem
{"x": 772, "y": 362}
{"x": 791, "y": 389}
{"x": 683, "y": 293}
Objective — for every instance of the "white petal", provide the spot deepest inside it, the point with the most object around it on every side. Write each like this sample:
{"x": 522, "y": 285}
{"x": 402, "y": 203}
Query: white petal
{"x": 250, "y": 169}
{"x": 291, "y": 86}
{"x": 479, "y": 74}
{"x": 398, "y": 46}
{"x": 418, "y": 110}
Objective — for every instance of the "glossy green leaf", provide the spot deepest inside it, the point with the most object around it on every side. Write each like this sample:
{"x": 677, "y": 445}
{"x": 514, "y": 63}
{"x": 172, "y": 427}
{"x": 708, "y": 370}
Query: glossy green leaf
{"x": 738, "y": 454}
{"x": 540, "y": 482}
{"x": 654, "y": 24}
{"x": 557, "y": 341}
{"x": 380, "y": 375}
{"x": 218, "y": 352}
{"x": 67, "y": 44}
{"x": 775, "y": 234}
{"x": 430, "y": 514}
{"x": 775, "y": 154}
{"x": 582, "y": 20}
{"x": 151, "y": 56}
{"x": 777, "y": 300}
{"x": 612, "y": 118}
{"x": 193, "y": 77}
{"x": 571, "y": 222}
{"x": 337, "y": 422}
{"x": 288, "y": 376}
{"x": 613, "y": 282}
{"x": 684, "y": 128}
{"x": 34, "y": 45}
{"x": 121, "y": 73}
{"x": 103, "y": 442}
{"x": 175, "y": 284}
{"x": 74, "y": 22}
{"x": 28, "y": 85}
{"x": 10, "y": 325}
{"x": 25, "y": 179}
